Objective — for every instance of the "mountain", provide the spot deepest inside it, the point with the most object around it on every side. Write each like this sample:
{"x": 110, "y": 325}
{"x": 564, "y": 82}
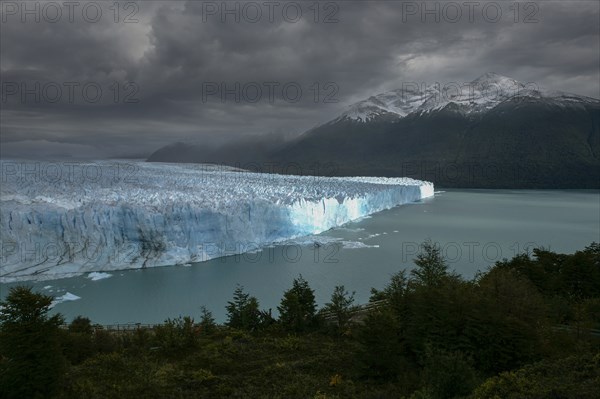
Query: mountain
{"x": 493, "y": 132}
{"x": 477, "y": 96}
{"x": 244, "y": 151}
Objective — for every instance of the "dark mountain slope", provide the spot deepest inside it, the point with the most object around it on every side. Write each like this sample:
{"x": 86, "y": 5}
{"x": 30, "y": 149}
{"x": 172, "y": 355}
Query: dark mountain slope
{"x": 514, "y": 138}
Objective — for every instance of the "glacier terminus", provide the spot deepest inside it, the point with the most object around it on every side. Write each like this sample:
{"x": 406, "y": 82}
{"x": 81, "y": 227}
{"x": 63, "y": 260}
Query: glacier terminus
{"x": 55, "y": 224}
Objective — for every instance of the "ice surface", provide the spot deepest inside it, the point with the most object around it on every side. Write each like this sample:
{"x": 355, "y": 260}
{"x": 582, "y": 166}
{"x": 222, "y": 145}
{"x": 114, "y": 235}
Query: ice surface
{"x": 89, "y": 218}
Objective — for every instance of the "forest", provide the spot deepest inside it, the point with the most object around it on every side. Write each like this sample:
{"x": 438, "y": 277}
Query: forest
{"x": 527, "y": 327}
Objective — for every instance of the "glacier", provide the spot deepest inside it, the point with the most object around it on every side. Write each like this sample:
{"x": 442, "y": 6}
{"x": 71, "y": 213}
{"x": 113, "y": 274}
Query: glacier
{"x": 61, "y": 219}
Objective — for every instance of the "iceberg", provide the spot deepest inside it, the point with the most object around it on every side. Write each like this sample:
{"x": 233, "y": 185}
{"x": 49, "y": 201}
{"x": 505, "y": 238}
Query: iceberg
{"x": 62, "y": 219}
{"x": 64, "y": 298}
{"x": 95, "y": 276}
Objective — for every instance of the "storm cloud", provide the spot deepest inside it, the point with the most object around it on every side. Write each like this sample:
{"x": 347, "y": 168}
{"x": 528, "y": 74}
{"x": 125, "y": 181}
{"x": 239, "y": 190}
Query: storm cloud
{"x": 99, "y": 79}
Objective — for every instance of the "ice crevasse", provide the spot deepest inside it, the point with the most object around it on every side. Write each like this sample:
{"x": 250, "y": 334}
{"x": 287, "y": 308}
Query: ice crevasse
{"x": 58, "y": 220}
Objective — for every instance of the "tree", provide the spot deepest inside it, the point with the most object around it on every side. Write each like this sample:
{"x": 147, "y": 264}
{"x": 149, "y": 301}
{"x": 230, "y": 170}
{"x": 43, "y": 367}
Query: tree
{"x": 431, "y": 267}
{"x": 394, "y": 293}
{"x": 207, "y": 321}
{"x": 508, "y": 325}
{"x": 79, "y": 340}
{"x": 81, "y": 325}
{"x": 341, "y": 306}
{"x": 266, "y": 318}
{"x": 298, "y": 307}
{"x": 31, "y": 359}
{"x": 243, "y": 312}
{"x": 383, "y": 349}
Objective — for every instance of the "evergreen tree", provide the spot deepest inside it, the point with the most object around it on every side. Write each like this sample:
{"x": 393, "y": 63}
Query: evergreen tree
{"x": 383, "y": 350}
{"x": 431, "y": 266}
{"x": 341, "y": 306}
{"x": 266, "y": 318}
{"x": 394, "y": 293}
{"x": 298, "y": 307}
{"x": 207, "y": 321}
{"x": 243, "y": 312}
{"x": 31, "y": 359}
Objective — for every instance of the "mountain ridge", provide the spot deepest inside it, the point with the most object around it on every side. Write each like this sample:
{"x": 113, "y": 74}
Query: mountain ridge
{"x": 495, "y": 132}
{"x": 479, "y": 95}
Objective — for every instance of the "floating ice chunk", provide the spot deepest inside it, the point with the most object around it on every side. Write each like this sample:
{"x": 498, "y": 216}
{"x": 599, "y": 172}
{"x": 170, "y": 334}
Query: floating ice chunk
{"x": 357, "y": 245}
{"x": 95, "y": 276}
{"x": 64, "y": 298}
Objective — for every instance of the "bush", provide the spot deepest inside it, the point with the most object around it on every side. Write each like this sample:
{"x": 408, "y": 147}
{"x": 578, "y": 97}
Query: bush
{"x": 448, "y": 374}
{"x": 176, "y": 336}
{"x": 572, "y": 377}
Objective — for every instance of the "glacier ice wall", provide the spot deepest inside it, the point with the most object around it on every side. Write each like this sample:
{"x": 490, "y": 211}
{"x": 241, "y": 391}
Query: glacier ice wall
{"x": 59, "y": 219}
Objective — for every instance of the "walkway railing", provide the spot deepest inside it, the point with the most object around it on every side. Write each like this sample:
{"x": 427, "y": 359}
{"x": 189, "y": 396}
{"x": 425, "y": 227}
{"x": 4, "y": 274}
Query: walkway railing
{"x": 358, "y": 310}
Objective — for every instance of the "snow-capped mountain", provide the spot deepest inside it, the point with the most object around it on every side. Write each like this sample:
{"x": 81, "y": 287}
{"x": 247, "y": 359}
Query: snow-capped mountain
{"x": 492, "y": 132}
{"x": 477, "y": 96}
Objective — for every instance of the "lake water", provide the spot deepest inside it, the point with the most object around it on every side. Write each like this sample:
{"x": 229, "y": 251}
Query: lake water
{"x": 474, "y": 228}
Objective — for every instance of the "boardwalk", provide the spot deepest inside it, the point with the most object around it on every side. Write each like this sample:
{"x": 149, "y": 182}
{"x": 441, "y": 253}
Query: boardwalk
{"x": 357, "y": 315}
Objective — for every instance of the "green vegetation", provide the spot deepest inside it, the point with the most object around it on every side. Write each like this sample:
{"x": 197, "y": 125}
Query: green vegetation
{"x": 340, "y": 308}
{"x": 243, "y": 312}
{"x": 31, "y": 359}
{"x": 298, "y": 307}
{"x": 525, "y": 328}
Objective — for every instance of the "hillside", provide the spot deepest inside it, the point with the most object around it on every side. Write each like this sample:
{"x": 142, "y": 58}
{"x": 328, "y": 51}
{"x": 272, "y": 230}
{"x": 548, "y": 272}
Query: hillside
{"x": 494, "y": 133}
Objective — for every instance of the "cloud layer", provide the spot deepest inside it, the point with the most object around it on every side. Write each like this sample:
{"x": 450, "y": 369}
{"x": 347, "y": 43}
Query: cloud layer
{"x": 148, "y": 73}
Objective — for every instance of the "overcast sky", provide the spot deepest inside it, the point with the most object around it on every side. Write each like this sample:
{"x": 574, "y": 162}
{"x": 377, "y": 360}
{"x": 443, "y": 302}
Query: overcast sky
{"x": 142, "y": 75}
